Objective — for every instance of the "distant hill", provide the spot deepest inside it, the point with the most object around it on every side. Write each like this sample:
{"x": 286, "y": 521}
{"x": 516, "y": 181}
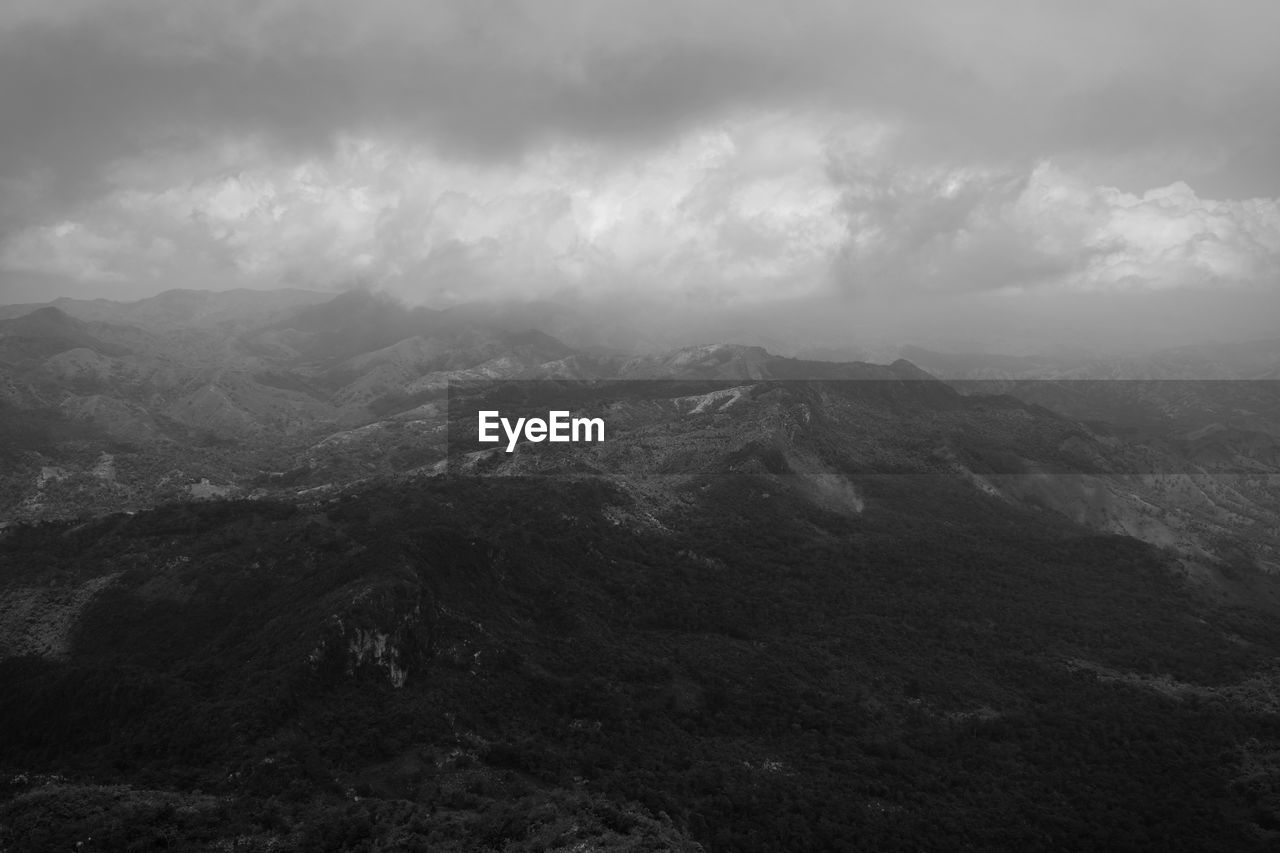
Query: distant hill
{"x": 46, "y": 332}
{"x": 182, "y": 309}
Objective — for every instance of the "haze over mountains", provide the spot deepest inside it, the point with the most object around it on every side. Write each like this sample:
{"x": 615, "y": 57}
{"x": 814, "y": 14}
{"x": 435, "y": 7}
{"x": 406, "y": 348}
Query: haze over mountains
{"x": 188, "y": 394}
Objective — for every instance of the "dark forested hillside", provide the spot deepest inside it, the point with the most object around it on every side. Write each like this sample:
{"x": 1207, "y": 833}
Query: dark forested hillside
{"x": 558, "y": 663}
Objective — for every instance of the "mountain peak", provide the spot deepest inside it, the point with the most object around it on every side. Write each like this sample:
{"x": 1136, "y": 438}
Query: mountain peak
{"x": 907, "y": 370}
{"x": 47, "y": 331}
{"x": 48, "y": 317}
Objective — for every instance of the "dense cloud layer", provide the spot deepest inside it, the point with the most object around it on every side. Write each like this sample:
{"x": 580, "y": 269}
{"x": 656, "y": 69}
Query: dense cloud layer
{"x": 719, "y": 156}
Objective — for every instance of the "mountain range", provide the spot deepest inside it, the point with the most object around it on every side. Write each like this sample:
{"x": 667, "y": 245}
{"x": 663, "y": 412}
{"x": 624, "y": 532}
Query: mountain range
{"x": 264, "y": 587}
{"x": 113, "y": 406}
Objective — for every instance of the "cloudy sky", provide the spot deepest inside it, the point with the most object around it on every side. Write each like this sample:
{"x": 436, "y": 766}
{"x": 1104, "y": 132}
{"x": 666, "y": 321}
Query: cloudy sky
{"x": 840, "y": 160}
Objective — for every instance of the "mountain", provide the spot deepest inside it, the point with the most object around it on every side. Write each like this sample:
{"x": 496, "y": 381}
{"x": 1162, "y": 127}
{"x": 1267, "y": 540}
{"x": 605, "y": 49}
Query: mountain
{"x": 1246, "y": 360}
{"x": 1217, "y": 405}
{"x": 332, "y": 394}
{"x": 1208, "y": 501}
{"x": 722, "y": 660}
{"x": 185, "y": 309}
{"x": 188, "y": 388}
{"x": 563, "y": 322}
{"x": 263, "y": 587}
{"x": 46, "y": 332}
{"x": 330, "y": 390}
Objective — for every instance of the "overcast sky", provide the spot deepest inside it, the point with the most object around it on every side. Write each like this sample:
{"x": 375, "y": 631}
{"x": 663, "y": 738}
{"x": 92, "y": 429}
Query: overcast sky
{"x": 715, "y": 156}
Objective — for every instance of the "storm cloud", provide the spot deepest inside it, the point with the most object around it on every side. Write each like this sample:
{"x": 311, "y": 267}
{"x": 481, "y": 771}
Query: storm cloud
{"x": 715, "y": 156}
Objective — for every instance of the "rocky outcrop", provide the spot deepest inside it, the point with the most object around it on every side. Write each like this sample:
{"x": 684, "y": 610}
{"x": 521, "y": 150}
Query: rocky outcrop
{"x": 382, "y": 631}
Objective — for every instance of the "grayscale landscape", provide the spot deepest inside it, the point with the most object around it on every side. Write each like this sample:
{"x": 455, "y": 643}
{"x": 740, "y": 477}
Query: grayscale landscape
{"x": 936, "y": 354}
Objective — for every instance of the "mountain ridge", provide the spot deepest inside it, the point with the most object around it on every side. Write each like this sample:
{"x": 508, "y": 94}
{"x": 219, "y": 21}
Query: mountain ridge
{"x": 358, "y": 388}
{"x": 267, "y": 588}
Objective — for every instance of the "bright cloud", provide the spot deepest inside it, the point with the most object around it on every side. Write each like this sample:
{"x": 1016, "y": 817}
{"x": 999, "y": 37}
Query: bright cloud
{"x": 746, "y": 207}
{"x": 768, "y": 206}
{"x": 949, "y": 229}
